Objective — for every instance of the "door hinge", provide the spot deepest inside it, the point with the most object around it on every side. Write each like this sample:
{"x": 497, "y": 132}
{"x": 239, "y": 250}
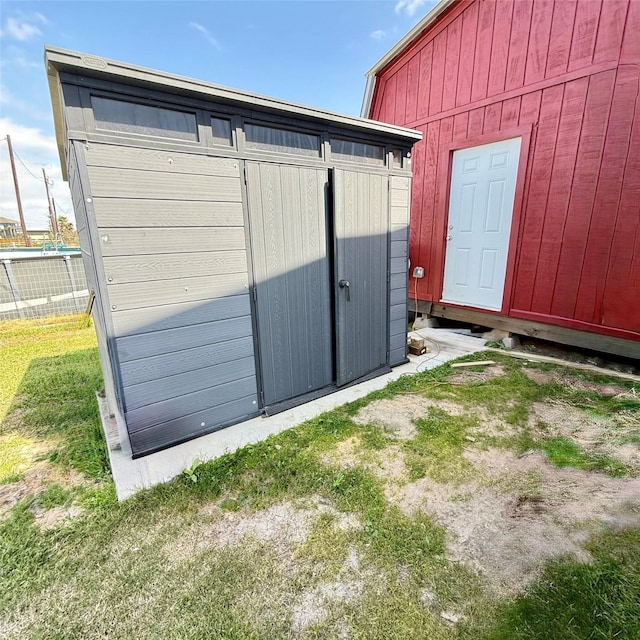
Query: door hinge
{"x": 254, "y": 293}
{"x": 262, "y": 398}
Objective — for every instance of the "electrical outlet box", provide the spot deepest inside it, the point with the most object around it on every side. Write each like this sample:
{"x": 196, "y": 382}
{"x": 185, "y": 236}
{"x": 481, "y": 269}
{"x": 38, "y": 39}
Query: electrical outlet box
{"x": 418, "y": 272}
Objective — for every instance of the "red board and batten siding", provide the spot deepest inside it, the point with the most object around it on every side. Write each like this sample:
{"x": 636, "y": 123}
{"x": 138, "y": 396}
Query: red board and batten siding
{"x": 567, "y": 75}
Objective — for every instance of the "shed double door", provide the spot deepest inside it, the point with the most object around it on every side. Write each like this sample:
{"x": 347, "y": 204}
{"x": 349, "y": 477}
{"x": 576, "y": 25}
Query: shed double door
{"x": 319, "y": 254}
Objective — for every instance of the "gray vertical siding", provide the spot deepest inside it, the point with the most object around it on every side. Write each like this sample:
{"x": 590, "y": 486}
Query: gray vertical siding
{"x": 400, "y": 197}
{"x": 288, "y": 218}
{"x": 173, "y": 244}
{"x": 361, "y": 219}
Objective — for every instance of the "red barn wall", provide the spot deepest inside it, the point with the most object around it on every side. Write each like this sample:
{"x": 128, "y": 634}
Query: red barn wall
{"x": 568, "y": 72}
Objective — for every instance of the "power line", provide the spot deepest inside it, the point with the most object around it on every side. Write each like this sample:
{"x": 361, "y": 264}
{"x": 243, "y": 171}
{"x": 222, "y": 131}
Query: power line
{"x": 25, "y": 166}
{"x": 15, "y": 153}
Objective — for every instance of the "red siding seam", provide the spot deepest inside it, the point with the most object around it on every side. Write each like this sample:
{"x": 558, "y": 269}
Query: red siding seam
{"x": 460, "y": 124}
{"x": 424, "y": 82}
{"x": 499, "y": 59}
{"x": 546, "y": 206}
{"x": 436, "y": 88}
{"x": 413, "y": 79}
{"x": 624, "y": 30}
{"x": 538, "y": 86}
{"x": 591, "y": 147}
{"x": 557, "y": 49}
{"x": 607, "y": 197}
{"x": 633, "y": 148}
{"x": 452, "y": 64}
{"x": 476, "y": 58}
{"x": 426, "y": 197}
{"x": 476, "y": 122}
{"x": 631, "y": 30}
{"x": 492, "y": 115}
{"x": 546, "y": 292}
{"x": 533, "y": 122}
{"x": 539, "y": 55}
{"x": 400, "y": 106}
{"x": 541, "y": 159}
{"x": 467, "y": 43}
{"x": 583, "y": 10}
{"x": 516, "y": 64}
{"x": 417, "y": 189}
{"x": 526, "y": 53}
{"x": 609, "y": 29}
{"x": 628, "y": 154}
{"x": 593, "y": 198}
{"x": 570, "y": 194}
{"x": 525, "y": 134}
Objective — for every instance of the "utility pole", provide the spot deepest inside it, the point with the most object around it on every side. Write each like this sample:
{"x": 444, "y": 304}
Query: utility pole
{"x": 25, "y": 235}
{"x": 52, "y": 215}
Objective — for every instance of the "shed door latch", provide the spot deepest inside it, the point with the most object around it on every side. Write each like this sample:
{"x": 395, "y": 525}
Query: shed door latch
{"x": 345, "y": 284}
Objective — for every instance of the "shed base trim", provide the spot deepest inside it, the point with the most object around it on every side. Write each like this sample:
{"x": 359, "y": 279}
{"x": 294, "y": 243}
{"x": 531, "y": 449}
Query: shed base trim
{"x": 279, "y": 407}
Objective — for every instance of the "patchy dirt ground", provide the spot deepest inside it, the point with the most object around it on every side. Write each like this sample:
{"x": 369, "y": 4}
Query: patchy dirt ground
{"x": 599, "y": 435}
{"x": 505, "y": 529}
{"x": 518, "y": 512}
{"x": 284, "y": 527}
{"x": 397, "y": 416}
{"x": 36, "y": 479}
{"x": 281, "y": 530}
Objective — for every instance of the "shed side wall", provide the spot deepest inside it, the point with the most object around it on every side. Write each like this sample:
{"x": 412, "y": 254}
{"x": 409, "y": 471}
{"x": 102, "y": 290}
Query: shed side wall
{"x": 178, "y": 294}
{"x": 399, "y": 226}
{"x": 570, "y": 73}
{"x": 84, "y": 234}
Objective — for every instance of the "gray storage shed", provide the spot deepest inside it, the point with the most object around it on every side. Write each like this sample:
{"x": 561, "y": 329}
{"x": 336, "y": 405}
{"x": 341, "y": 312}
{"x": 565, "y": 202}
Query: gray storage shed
{"x": 246, "y": 254}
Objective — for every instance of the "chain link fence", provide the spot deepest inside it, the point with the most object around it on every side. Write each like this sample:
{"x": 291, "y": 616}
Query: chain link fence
{"x": 41, "y": 286}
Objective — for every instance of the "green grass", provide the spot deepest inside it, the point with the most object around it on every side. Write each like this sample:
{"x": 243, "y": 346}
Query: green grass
{"x": 564, "y": 452}
{"x": 135, "y": 569}
{"x": 47, "y": 397}
{"x": 577, "y": 601}
{"x": 437, "y": 449}
{"x": 54, "y": 496}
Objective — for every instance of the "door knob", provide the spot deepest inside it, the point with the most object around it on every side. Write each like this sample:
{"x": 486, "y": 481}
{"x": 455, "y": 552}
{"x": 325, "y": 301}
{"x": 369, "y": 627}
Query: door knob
{"x": 345, "y": 284}
{"x": 448, "y": 237}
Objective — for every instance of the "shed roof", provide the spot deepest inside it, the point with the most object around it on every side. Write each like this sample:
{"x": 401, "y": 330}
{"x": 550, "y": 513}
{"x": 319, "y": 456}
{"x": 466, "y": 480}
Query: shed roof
{"x": 398, "y": 48}
{"x": 61, "y": 60}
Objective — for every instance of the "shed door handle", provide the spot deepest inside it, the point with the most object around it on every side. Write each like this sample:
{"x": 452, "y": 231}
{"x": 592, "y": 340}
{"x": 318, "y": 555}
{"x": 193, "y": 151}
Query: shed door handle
{"x": 345, "y": 284}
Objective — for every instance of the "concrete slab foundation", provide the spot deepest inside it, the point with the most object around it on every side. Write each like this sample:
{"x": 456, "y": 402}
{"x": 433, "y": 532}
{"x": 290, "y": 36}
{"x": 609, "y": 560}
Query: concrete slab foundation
{"x": 131, "y": 476}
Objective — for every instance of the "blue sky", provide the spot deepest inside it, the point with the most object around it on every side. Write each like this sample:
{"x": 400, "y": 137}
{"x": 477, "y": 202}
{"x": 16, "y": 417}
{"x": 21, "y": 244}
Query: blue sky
{"x": 310, "y": 52}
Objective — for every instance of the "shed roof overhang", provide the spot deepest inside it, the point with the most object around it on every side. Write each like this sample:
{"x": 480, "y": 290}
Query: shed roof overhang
{"x": 60, "y": 60}
{"x": 396, "y": 50}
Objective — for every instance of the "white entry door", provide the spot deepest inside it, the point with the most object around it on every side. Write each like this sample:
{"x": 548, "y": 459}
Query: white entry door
{"x": 483, "y": 185}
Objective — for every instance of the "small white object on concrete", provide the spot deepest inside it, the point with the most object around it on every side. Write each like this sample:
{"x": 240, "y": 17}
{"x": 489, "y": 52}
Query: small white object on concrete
{"x": 511, "y": 342}
{"x": 425, "y": 322}
{"x": 496, "y": 335}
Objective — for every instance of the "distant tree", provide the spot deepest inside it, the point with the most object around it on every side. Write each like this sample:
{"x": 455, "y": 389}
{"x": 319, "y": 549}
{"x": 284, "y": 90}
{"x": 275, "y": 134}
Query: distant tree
{"x": 68, "y": 232}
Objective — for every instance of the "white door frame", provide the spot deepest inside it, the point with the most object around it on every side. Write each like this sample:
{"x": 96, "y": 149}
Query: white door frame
{"x": 479, "y": 219}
